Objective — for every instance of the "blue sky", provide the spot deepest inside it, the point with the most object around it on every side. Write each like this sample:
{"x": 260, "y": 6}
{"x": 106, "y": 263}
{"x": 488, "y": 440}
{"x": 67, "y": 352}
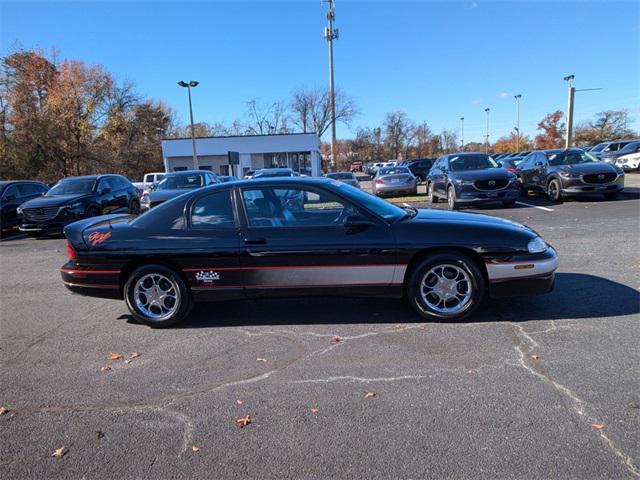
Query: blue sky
{"x": 437, "y": 61}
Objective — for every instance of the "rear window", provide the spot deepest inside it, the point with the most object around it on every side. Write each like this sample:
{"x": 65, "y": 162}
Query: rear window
{"x": 394, "y": 171}
{"x": 340, "y": 176}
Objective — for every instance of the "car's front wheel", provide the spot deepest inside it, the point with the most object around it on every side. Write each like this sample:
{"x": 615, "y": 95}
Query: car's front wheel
{"x": 452, "y": 201}
{"x": 554, "y": 191}
{"x": 157, "y": 296}
{"x": 432, "y": 197}
{"x": 445, "y": 287}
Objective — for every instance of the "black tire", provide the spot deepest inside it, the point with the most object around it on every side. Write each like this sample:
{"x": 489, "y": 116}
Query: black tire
{"x": 134, "y": 209}
{"x": 179, "y": 309}
{"x": 432, "y": 197}
{"x": 414, "y": 286}
{"x": 612, "y": 195}
{"x": 93, "y": 211}
{"x": 452, "y": 202}
{"x": 554, "y": 191}
{"x": 508, "y": 203}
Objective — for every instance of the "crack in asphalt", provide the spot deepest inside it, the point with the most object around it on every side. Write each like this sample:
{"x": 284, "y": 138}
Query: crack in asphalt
{"x": 577, "y": 404}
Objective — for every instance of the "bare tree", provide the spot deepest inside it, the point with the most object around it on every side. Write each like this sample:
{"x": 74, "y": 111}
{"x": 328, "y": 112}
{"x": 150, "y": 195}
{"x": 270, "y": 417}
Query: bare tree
{"x": 398, "y": 130}
{"x": 311, "y": 109}
{"x": 265, "y": 120}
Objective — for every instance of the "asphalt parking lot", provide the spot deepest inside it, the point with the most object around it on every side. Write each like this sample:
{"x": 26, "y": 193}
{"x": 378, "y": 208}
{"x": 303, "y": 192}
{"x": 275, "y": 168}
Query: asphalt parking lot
{"x": 533, "y": 387}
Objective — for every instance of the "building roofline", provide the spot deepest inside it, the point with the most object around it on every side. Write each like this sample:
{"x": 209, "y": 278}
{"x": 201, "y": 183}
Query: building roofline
{"x": 242, "y": 136}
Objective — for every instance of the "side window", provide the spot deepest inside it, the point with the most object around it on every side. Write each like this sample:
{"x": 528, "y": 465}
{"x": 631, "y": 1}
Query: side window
{"x": 12, "y": 191}
{"x": 213, "y": 211}
{"x": 294, "y": 207}
{"x": 28, "y": 189}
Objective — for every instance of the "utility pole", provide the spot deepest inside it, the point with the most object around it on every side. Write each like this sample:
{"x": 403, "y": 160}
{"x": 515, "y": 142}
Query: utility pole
{"x": 570, "y": 96}
{"x": 462, "y": 134}
{"x": 331, "y": 34}
{"x": 188, "y": 86}
{"x": 518, "y": 97}
{"x": 486, "y": 137}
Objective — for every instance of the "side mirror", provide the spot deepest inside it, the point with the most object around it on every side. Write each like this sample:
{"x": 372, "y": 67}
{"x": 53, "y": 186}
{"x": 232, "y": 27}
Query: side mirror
{"x": 356, "y": 223}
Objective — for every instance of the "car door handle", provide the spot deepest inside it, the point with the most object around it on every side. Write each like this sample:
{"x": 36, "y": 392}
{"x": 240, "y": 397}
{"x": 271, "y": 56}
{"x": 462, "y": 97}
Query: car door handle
{"x": 255, "y": 241}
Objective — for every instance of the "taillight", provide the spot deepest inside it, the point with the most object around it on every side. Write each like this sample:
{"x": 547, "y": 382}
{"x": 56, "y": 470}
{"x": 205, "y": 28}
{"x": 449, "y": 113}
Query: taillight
{"x": 379, "y": 181}
{"x": 511, "y": 169}
{"x": 70, "y": 251}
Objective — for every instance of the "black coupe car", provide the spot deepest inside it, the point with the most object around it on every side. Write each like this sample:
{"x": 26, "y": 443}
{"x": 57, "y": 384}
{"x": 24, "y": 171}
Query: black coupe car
{"x": 13, "y": 194}
{"x": 569, "y": 173}
{"x": 471, "y": 178}
{"x": 74, "y": 198}
{"x": 301, "y": 236}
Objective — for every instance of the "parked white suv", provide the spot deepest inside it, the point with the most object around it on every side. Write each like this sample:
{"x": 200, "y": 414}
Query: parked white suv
{"x": 628, "y": 162}
{"x": 149, "y": 179}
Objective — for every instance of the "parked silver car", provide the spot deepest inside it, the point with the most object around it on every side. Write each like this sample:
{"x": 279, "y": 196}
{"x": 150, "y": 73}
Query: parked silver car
{"x": 394, "y": 180}
{"x": 344, "y": 177}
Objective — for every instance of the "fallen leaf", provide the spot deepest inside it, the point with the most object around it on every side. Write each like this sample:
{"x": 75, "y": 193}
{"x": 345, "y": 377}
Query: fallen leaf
{"x": 335, "y": 339}
{"x": 631, "y": 405}
{"x": 104, "y": 368}
{"x": 115, "y": 356}
{"x": 315, "y": 410}
{"x": 195, "y": 448}
{"x": 239, "y": 402}
{"x": 535, "y": 357}
{"x": 369, "y": 394}
{"x": 135, "y": 355}
{"x": 261, "y": 359}
{"x": 128, "y": 361}
{"x": 243, "y": 421}
{"x": 597, "y": 426}
{"x": 3, "y": 410}
{"x": 99, "y": 434}
{"x": 59, "y": 452}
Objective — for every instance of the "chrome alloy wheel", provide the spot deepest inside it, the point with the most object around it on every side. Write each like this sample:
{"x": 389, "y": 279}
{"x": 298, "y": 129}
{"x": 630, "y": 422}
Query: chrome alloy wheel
{"x": 446, "y": 289}
{"x": 156, "y": 296}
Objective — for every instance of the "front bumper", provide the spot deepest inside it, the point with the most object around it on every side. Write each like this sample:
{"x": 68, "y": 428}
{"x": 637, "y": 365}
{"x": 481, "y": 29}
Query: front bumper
{"x": 573, "y": 187}
{"x": 523, "y": 275}
{"x": 50, "y": 228}
{"x": 466, "y": 194}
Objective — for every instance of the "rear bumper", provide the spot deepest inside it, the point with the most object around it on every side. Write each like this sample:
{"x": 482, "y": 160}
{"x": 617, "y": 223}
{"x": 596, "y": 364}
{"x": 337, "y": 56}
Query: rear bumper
{"x": 402, "y": 188}
{"x": 101, "y": 283}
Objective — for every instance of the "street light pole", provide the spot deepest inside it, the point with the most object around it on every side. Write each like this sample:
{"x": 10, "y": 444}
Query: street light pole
{"x": 518, "y": 97}
{"x": 188, "y": 86}
{"x": 331, "y": 34}
{"x": 570, "y": 97}
{"x": 462, "y": 134}
{"x": 486, "y": 142}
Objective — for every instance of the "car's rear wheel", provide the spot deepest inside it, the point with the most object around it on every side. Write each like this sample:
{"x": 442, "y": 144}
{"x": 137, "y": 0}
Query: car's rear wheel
{"x": 554, "y": 191}
{"x": 135, "y": 207}
{"x": 445, "y": 287}
{"x": 157, "y": 296}
{"x": 452, "y": 201}
{"x": 432, "y": 197}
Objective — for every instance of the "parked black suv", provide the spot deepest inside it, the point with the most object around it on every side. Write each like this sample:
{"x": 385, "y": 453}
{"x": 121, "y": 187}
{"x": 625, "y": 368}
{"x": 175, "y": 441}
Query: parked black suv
{"x": 419, "y": 167}
{"x": 74, "y": 198}
{"x": 12, "y": 195}
{"x": 569, "y": 173}
{"x": 471, "y": 178}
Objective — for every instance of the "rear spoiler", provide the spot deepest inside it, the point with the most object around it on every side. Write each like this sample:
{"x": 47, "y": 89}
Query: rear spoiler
{"x": 104, "y": 223}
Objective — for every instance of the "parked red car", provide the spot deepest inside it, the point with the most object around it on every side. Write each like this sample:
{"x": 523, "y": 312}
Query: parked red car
{"x": 356, "y": 167}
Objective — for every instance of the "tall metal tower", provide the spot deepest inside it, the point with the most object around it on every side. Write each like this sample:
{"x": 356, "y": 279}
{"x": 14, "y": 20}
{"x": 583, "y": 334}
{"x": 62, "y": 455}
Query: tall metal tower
{"x": 331, "y": 34}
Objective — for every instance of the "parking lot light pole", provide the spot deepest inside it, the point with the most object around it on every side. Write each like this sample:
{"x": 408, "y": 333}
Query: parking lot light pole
{"x": 518, "y": 97}
{"x": 331, "y": 34}
{"x": 570, "y": 96}
{"x": 188, "y": 86}
{"x": 462, "y": 134}
{"x": 486, "y": 137}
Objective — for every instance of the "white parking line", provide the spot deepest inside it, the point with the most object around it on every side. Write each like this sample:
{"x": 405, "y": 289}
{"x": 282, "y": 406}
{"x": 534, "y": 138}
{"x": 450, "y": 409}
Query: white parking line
{"x": 535, "y": 206}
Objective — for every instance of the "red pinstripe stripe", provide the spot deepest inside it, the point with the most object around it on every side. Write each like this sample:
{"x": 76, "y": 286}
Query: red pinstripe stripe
{"x": 290, "y": 267}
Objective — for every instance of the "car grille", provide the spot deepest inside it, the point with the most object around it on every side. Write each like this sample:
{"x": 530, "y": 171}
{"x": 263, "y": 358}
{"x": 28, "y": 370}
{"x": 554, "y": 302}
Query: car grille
{"x": 599, "y": 177}
{"x": 40, "y": 214}
{"x": 491, "y": 184}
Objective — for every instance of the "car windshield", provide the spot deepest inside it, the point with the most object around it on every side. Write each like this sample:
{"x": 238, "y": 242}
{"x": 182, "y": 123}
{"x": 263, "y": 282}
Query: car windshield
{"x": 378, "y": 206}
{"x": 472, "y": 162}
{"x": 630, "y": 147}
{"x": 72, "y": 187}
{"x": 394, "y": 171}
{"x": 570, "y": 158}
{"x": 340, "y": 176}
{"x": 177, "y": 182}
{"x": 599, "y": 147}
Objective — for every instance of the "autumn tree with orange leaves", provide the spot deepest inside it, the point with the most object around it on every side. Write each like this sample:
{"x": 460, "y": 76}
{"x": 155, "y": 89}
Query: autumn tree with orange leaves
{"x": 552, "y": 130}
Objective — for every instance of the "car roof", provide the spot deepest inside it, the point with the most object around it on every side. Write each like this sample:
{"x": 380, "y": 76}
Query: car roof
{"x": 4, "y": 183}
{"x": 89, "y": 177}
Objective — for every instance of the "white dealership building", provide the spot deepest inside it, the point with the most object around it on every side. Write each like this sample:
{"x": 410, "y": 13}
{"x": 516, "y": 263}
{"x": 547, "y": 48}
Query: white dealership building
{"x": 298, "y": 151}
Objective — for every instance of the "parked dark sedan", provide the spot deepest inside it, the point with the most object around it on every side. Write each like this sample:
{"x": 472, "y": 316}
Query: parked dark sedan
{"x": 419, "y": 167}
{"x": 75, "y": 198}
{"x": 13, "y": 194}
{"x": 175, "y": 184}
{"x": 246, "y": 239}
{"x": 569, "y": 173}
{"x": 471, "y": 178}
